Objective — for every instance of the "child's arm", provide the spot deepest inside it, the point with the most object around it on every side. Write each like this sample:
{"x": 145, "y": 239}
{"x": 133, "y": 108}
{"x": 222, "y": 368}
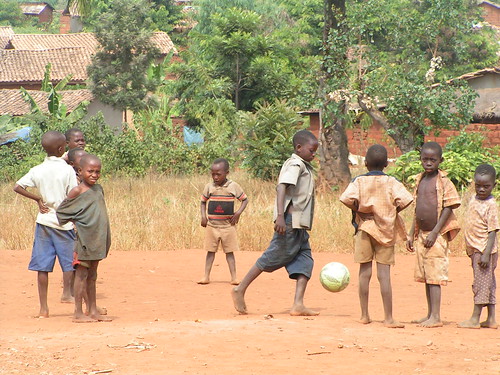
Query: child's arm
{"x": 236, "y": 217}
{"x": 409, "y": 242}
{"x": 485, "y": 258}
{"x": 38, "y": 199}
{"x": 204, "y": 220}
{"x": 280, "y": 225}
{"x": 432, "y": 236}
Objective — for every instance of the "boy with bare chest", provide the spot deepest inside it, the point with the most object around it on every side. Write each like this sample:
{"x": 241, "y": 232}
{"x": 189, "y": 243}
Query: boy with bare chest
{"x": 433, "y": 227}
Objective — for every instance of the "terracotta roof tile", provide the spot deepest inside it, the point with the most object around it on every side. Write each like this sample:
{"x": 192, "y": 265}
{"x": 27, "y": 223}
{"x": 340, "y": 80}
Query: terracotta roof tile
{"x": 12, "y": 102}
{"x": 6, "y": 31}
{"x": 50, "y": 41}
{"x": 29, "y": 66}
{"x": 85, "y": 40}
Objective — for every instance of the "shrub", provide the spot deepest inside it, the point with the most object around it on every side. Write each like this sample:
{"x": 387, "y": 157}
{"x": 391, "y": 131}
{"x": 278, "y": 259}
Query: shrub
{"x": 267, "y": 138}
{"x": 461, "y": 157}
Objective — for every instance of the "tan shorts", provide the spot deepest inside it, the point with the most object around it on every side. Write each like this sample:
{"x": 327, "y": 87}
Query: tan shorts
{"x": 432, "y": 263}
{"x": 367, "y": 249}
{"x": 226, "y": 236}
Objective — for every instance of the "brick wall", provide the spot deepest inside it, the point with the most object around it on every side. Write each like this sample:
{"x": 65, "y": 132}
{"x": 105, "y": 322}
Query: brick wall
{"x": 46, "y": 15}
{"x": 491, "y": 14}
{"x": 65, "y": 24}
{"x": 360, "y": 140}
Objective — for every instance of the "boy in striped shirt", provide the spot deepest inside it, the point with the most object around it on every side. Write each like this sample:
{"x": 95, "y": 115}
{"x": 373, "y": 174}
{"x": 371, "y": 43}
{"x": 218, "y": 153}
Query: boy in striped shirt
{"x": 219, "y": 217}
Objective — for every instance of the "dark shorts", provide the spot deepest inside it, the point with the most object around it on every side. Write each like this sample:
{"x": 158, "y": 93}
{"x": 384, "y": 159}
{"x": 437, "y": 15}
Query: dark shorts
{"x": 485, "y": 284}
{"x": 50, "y": 243}
{"x": 291, "y": 250}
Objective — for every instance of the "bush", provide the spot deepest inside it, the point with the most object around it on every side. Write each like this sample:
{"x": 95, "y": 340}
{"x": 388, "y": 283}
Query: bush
{"x": 267, "y": 138}
{"x": 461, "y": 157}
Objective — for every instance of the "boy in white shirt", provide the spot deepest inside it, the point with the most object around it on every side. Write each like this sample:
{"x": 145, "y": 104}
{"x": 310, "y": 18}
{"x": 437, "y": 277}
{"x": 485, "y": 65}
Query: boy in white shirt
{"x": 53, "y": 178}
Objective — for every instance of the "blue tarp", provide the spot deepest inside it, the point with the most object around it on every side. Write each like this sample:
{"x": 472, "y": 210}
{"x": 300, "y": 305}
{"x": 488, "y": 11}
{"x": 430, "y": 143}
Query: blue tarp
{"x": 192, "y": 136}
{"x": 23, "y": 134}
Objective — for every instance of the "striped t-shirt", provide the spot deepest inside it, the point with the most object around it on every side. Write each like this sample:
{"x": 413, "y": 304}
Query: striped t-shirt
{"x": 220, "y": 202}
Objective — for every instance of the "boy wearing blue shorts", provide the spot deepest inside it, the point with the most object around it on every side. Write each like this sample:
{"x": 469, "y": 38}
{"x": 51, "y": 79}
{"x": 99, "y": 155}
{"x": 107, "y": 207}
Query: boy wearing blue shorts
{"x": 293, "y": 214}
{"x": 53, "y": 178}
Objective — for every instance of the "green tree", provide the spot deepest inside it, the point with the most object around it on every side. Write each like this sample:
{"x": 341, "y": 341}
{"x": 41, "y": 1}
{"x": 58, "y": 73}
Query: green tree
{"x": 399, "y": 59}
{"x": 10, "y": 13}
{"x": 117, "y": 74}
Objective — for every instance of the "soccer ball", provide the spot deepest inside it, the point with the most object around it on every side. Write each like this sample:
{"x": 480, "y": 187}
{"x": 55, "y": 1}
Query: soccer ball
{"x": 334, "y": 277}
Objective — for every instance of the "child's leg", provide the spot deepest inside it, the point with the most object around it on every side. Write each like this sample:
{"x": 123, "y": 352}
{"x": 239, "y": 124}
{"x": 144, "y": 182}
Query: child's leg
{"x": 208, "y": 268}
{"x": 298, "y": 308}
{"x": 231, "y": 262}
{"x": 473, "y": 322}
{"x": 384, "y": 278}
{"x": 490, "y": 321}
{"x": 365, "y": 274}
{"x": 238, "y": 293}
{"x": 68, "y": 280}
{"x": 43, "y": 288}
{"x": 91, "y": 292}
{"x": 434, "y": 305}
{"x": 81, "y": 277}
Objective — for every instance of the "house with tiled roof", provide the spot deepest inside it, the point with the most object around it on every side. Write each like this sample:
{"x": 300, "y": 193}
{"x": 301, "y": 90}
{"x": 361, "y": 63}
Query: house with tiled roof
{"x": 43, "y": 11}
{"x": 26, "y": 68}
{"x": 85, "y": 40}
{"x": 12, "y": 103}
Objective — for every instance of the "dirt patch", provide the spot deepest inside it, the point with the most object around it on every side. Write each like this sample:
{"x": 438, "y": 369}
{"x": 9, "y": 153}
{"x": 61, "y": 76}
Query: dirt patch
{"x": 165, "y": 323}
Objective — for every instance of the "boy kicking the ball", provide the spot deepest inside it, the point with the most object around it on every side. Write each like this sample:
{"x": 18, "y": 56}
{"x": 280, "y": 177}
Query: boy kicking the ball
{"x": 375, "y": 200}
{"x": 293, "y": 214}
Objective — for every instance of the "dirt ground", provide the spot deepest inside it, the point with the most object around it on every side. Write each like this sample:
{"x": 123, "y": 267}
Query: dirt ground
{"x": 164, "y": 323}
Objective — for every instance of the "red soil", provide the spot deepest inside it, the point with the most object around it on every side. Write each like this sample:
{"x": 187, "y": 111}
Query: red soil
{"x": 165, "y": 323}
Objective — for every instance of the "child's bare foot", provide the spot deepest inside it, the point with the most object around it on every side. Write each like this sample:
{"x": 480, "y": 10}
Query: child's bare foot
{"x": 101, "y": 318}
{"x": 469, "y": 324}
{"x": 488, "y": 324}
{"x": 418, "y": 321}
{"x": 69, "y": 299}
{"x": 431, "y": 323}
{"x": 204, "y": 281}
{"x": 301, "y": 310}
{"x": 235, "y": 282}
{"x": 365, "y": 320}
{"x": 239, "y": 301}
{"x": 393, "y": 324}
{"x": 83, "y": 319}
{"x": 44, "y": 313}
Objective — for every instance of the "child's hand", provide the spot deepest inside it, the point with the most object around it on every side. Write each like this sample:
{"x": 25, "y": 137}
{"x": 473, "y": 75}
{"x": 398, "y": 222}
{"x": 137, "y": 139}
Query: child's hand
{"x": 430, "y": 240}
{"x": 42, "y": 206}
{"x": 235, "y": 219}
{"x": 204, "y": 221}
{"x": 484, "y": 261}
{"x": 409, "y": 245}
{"x": 280, "y": 225}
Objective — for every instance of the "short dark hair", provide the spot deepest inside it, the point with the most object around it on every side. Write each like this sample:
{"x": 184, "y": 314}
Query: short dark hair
{"x": 302, "y": 137}
{"x": 486, "y": 170}
{"x": 434, "y": 146}
{"x": 87, "y": 158}
{"x": 222, "y": 161}
{"x": 376, "y": 157}
{"x": 70, "y": 132}
{"x": 72, "y": 153}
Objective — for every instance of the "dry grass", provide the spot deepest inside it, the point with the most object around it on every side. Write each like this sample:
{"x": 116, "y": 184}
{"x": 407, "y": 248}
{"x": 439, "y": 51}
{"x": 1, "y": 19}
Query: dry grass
{"x": 162, "y": 213}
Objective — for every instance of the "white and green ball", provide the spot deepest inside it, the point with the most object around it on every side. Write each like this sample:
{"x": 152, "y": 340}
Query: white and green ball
{"x": 334, "y": 277}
